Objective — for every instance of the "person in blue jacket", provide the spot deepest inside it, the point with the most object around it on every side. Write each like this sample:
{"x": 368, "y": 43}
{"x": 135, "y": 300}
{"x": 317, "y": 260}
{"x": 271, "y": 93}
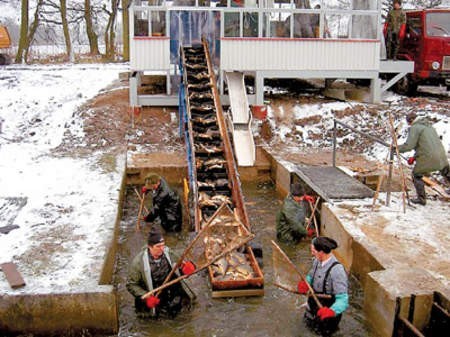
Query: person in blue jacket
{"x": 327, "y": 276}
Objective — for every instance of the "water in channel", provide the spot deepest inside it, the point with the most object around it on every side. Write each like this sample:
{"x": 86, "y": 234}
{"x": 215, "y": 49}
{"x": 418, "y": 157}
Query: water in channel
{"x": 277, "y": 313}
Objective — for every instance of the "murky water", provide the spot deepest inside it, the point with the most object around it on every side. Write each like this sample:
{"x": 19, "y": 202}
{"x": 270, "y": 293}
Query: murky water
{"x": 277, "y": 313}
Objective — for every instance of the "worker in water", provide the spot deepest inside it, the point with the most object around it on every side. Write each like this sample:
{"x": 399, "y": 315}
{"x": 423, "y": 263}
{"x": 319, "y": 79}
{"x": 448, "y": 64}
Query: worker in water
{"x": 327, "y": 277}
{"x": 148, "y": 271}
{"x": 429, "y": 153}
{"x": 292, "y": 215}
{"x": 395, "y": 29}
{"x": 166, "y": 203}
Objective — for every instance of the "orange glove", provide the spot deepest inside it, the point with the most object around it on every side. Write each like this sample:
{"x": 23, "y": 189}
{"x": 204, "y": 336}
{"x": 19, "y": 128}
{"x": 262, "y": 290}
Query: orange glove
{"x": 401, "y": 32}
{"x": 302, "y": 287}
{"x": 411, "y": 160}
{"x": 325, "y": 312}
{"x": 152, "y": 301}
{"x": 187, "y": 268}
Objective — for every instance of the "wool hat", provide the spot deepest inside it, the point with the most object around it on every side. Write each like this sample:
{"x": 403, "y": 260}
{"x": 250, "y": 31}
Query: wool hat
{"x": 297, "y": 190}
{"x": 324, "y": 244}
{"x": 151, "y": 179}
{"x": 154, "y": 237}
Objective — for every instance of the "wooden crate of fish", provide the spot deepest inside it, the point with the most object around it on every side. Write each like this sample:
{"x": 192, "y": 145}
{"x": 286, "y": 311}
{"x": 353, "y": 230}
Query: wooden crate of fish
{"x": 239, "y": 268}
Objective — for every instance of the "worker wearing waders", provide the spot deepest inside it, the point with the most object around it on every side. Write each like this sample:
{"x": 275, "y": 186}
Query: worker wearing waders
{"x": 148, "y": 271}
{"x": 395, "y": 29}
{"x": 327, "y": 276}
{"x": 292, "y": 215}
{"x": 166, "y": 204}
{"x": 429, "y": 153}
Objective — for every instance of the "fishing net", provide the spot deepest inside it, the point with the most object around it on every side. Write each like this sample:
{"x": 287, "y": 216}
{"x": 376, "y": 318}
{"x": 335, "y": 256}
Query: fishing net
{"x": 286, "y": 275}
{"x": 222, "y": 234}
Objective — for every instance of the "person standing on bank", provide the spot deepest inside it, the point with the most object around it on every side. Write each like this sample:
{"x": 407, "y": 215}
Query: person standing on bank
{"x": 148, "y": 271}
{"x": 429, "y": 153}
{"x": 396, "y": 26}
{"x": 292, "y": 215}
{"x": 166, "y": 203}
{"x": 327, "y": 276}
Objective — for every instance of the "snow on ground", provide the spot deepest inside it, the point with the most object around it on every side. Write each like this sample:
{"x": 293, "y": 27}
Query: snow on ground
{"x": 63, "y": 206}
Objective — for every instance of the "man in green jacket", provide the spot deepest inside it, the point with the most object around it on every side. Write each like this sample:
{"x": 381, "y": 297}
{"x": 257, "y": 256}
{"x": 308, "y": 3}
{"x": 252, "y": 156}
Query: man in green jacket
{"x": 148, "y": 271}
{"x": 396, "y": 25}
{"x": 291, "y": 218}
{"x": 429, "y": 154}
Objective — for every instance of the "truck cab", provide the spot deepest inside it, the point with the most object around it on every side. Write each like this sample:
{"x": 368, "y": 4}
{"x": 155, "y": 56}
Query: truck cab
{"x": 5, "y": 44}
{"x": 427, "y": 43}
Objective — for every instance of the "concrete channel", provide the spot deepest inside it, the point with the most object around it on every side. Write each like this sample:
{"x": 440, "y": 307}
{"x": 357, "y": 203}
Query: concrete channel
{"x": 383, "y": 279}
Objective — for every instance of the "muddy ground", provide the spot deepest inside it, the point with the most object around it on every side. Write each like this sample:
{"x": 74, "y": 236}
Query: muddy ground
{"x": 110, "y": 126}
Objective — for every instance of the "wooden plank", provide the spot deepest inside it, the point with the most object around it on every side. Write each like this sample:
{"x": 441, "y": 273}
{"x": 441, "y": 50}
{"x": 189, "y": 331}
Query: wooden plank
{"x": 12, "y": 275}
{"x": 237, "y": 293}
{"x": 436, "y": 187}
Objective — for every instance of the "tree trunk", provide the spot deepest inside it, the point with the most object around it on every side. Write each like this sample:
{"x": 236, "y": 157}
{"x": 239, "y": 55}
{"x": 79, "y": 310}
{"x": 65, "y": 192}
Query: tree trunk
{"x": 92, "y": 37}
{"x": 110, "y": 34}
{"x": 33, "y": 28}
{"x": 125, "y": 31}
{"x": 66, "y": 32}
{"x": 23, "y": 32}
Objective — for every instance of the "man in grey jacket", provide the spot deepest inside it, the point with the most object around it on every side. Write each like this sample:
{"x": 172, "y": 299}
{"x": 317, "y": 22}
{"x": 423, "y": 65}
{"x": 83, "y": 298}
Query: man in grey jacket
{"x": 429, "y": 154}
{"x": 148, "y": 271}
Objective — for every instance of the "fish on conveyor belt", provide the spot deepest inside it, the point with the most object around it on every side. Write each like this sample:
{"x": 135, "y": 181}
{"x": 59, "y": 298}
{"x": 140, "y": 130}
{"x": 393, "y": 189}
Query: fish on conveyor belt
{"x": 205, "y": 121}
{"x": 208, "y": 135}
{"x": 201, "y": 77}
{"x": 221, "y": 183}
{"x": 202, "y": 108}
{"x": 201, "y": 148}
{"x": 201, "y": 96}
{"x": 209, "y": 184}
{"x": 205, "y": 199}
{"x": 199, "y": 87}
{"x": 196, "y": 68}
{"x": 194, "y": 50}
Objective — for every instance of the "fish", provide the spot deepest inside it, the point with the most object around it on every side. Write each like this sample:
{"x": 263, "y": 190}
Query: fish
{"x": 199, "y": 87}
{"x": 214, "y": 161}
{"x": 196, "y": 67}
{"x": 205, "y": 121}
{"x": 220, "y": 199}
{"x": 205, "y": 184}
{"x": 201, "y": 148}
{"x": 220, "y": 266}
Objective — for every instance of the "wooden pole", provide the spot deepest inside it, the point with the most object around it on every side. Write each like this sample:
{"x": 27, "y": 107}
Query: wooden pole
{"x": 377, "y": 192}
{"x": 394, "y": 138}
{"x": 141, "y": 206}
{"x": 140, "y": 198}
{"x": 313, "y": 294}
{"x": 313, "y": 212}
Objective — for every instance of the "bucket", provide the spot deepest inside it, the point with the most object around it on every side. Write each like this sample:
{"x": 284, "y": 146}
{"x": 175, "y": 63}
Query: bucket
{"x": 259, "y": 111}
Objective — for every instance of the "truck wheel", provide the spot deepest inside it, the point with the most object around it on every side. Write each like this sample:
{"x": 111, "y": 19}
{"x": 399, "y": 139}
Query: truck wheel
{"x": 405, "y": 86}
{"x": 3, "y": 60}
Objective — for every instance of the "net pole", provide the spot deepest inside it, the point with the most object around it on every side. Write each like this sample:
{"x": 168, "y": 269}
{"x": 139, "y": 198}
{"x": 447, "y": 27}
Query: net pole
{"x": 313, "y": 294}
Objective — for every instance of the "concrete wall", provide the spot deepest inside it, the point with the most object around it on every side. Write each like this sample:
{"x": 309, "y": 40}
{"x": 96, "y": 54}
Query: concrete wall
{"x": 383, "y": 287}
{"x": 53, "y": 313}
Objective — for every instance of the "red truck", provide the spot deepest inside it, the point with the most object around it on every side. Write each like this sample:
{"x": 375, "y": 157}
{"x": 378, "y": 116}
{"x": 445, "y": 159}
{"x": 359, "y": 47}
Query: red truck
{"x": 427, "y": 43}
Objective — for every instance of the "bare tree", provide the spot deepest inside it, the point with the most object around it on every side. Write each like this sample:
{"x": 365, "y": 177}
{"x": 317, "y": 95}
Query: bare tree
{"x": 110, "y": 32}
{"x": 125, "y": 30}
{"x": 65, "y": 26}
{"x": 91, "y": 35}
{"x": 23, "y": 32}
{"x": 33, "y": 28}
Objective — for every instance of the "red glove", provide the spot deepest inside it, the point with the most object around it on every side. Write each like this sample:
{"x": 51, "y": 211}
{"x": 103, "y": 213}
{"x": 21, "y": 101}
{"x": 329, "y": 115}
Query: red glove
{"x": 302, "y": 287}
{"x": 325, "y": 312}
{"x": 401, "y": 32}
{"x": 143, "y": 189}
{"x": 152, "y": 301}
{"x": 187, "y": 268}
{"x": 309, "y": 198}
{"x": 311, "y": 232}
{"x": 411, "y": 160}
{"x": 385, "y": 27}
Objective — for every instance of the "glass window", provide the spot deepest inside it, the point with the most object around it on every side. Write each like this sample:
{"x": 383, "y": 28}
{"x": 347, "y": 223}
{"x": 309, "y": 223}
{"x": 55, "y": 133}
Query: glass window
{"x": 338, "y": 25}
{"x": 438, "y": 24}
{"x": 140, "y": 23}
{"x": 158, "y": 23}
{"x": 250, "y": 24}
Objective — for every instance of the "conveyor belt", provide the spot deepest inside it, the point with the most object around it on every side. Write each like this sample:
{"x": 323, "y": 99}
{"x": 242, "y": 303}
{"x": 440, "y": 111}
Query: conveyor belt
{"x": 213, "y": 177}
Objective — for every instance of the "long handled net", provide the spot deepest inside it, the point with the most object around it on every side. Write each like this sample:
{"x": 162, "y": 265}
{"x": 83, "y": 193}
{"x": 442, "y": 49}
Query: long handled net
{"x": 286, "y": 275}
{"x": 221, "y": 235}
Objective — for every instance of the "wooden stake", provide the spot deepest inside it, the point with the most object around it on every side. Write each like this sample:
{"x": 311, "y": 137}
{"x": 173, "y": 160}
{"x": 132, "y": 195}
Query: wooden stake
{"x": 377, "y": 192}
{"x": 141, "y": 206}
{"x": 140, "y": 199}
